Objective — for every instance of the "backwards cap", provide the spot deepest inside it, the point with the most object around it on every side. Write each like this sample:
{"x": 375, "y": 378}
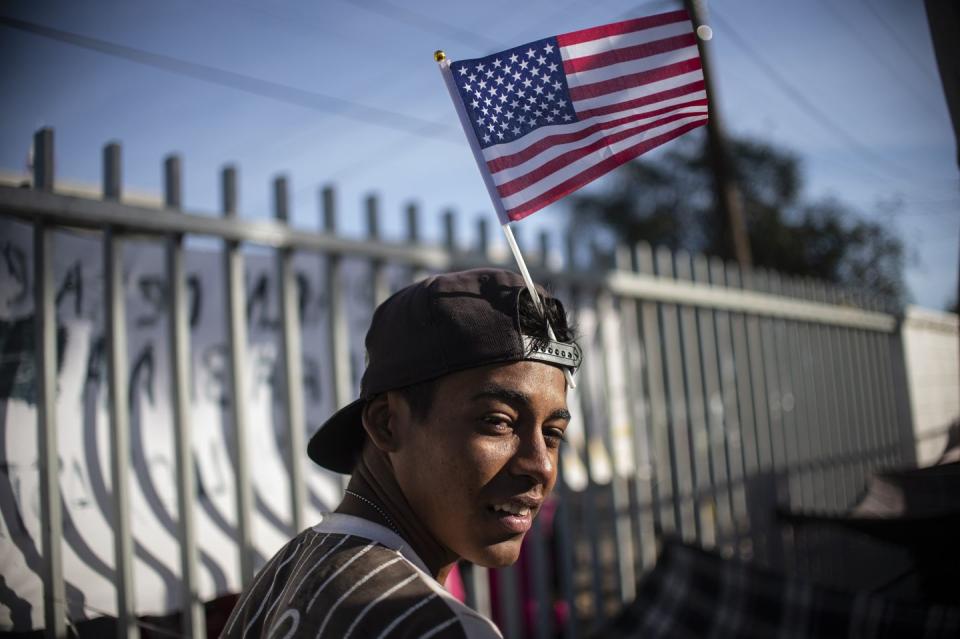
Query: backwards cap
{"x": 440, "y": 325}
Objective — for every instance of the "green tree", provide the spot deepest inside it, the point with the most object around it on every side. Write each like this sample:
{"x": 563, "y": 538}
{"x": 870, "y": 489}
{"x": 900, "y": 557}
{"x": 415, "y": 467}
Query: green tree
{"x": 670, "y": 201}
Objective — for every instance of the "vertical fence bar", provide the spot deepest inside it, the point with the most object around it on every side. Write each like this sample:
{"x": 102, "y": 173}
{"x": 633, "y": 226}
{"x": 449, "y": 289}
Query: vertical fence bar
{"x": 691, "y": 348}
{"x": 732, "y": 422}
{"x": 339, "y": 345}
{"x": 867, "y": 422}
{"x": 758, "y": 383}
{"x": 680, "y": 452}
{"x": 416, "y": 273}
{"x": 544, "y": 243}
{"x": 565, "y": 550}
{"x": 111, "y": 172}
{"x": 412, "y": 213}
{"x": 378, "y": 274}
{"x": 874, "y": 439}
{"x": 773, "y": 396}
{"x": 116, "y": 339}
{"x": 590, "y": 502}
{"x": 508, "y": 591}
{"x": 292, "y": 354}
{"x": 747, "y": 419}
{"x": 477, "y": 586}
{"x": 826, "y": 487}
{"x": 893, "y": 416}
{"x": 668, "y": 515}
{"x": 868, "y": 441}
{"x": 804, "y": 418}
{"x": 820, "y": 410}
{"x": 193, "y": 623}
{"x": 237, "y": 332}
{"x": 906, "y": 451}
{"x": 449, "y": 220}
{"x": 788, "y": 382}
{"x": 619, "y": 487}
{"x": 855, "y": 412}
{"x": 843, "y": 396}
{"x": 43, "y": 169}
{"x": 769, "y": 490}
{"x": 339, "y": 335}
{"x": 835, "y": 489}
{"x": 803, "y": 401}
{"x": 714, "y": 411}
{"x": 483, "y": 237}
{"x": 639, "y": 422}
{"x": 588, "y": 497}
{"x": 877, "y": 432}
{"x": 881, "y": 395}
{"x": 886, "y": 418}
{"x": 563, "y": 526}
{"x": 887, "y": 405}
{"x": 543, "y": 627}
{"x": 45, "y": 354}
{"x": 845, "y": 407}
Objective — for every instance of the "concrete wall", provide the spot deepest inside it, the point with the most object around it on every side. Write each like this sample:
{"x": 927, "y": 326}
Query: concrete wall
{"x": 932, "y": 350}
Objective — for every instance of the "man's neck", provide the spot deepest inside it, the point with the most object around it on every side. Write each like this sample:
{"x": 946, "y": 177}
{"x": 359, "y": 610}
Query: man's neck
{"x": 373, "y": 494}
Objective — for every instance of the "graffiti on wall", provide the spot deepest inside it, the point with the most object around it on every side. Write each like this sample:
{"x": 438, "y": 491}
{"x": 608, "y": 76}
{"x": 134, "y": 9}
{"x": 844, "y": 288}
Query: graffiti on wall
{"x": 83, "y": 421}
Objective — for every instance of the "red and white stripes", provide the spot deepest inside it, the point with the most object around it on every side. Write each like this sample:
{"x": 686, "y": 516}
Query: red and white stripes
{"x": 634, "y": 85}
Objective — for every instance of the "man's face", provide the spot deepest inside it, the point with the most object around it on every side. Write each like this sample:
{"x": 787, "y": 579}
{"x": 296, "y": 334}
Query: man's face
{"x": 477, "y": 468}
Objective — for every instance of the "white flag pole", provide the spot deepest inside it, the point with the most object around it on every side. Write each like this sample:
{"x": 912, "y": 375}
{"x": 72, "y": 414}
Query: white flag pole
{"x": 444, "y": 64}
{"x": 518, "y": 256}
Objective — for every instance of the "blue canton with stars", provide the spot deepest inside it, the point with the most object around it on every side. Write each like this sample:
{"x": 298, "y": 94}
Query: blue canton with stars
{"x": 514, "y": 92}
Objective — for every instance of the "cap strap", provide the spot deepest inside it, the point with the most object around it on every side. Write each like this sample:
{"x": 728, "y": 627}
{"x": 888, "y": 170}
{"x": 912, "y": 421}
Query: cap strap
{"x": 552, "y": 352}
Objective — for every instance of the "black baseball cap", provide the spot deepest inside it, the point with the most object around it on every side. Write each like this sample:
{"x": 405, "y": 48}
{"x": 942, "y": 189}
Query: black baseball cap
{"x": 439, "y": 325}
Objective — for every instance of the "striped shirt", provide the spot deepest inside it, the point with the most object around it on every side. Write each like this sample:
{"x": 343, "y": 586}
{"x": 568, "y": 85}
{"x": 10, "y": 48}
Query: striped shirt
{"x": 350, "y": 577}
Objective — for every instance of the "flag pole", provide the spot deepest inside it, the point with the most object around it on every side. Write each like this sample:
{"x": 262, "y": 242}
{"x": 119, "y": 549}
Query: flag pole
{"x": 444, "y": 63}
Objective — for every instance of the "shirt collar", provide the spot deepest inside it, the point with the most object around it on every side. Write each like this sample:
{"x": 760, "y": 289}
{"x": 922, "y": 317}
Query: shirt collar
{"x": 341, "y": 523}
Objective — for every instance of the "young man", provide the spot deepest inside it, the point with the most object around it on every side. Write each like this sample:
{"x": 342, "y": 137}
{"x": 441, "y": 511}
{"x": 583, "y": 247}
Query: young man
{"x": 452, "y": 448}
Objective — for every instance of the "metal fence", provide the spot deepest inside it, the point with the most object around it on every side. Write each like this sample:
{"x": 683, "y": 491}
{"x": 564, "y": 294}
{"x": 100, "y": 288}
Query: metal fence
{"x": 709, "y": 396}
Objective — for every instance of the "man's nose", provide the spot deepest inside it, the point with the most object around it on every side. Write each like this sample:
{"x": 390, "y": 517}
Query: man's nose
{"x": 534, "y": 459}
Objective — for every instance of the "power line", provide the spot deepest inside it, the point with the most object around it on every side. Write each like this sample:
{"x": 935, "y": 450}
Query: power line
{"x": 896, "y": 38}
{"x": 806, "y": 105}
{"x": 422, "y": 21}
{"x": 248, "y": 84}
{"x": 868, "y": 46}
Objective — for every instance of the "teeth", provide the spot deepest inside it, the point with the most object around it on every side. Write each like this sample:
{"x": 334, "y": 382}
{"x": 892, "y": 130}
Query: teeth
{"x": 513, "y": 509}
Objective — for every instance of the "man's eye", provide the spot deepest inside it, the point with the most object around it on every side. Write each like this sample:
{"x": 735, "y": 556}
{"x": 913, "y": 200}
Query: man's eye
{"x": 554, "y": 437}
{"x": 497, "y": 423}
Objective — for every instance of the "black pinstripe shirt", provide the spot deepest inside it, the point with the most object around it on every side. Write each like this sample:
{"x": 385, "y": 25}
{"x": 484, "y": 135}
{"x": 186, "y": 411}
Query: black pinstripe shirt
{"x": 349, "y": 577}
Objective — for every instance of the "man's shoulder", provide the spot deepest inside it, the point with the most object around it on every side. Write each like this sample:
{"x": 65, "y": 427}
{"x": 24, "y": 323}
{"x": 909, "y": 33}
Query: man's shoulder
{"x": 334, "y": 584}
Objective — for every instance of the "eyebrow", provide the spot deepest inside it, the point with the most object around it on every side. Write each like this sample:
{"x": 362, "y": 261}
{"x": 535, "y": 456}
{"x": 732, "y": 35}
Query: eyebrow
{"x": 510, "y": 396}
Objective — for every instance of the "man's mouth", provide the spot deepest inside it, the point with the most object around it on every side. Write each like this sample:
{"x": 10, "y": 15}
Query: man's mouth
{"x": 516, "y": 515}
{"x": 511, "y": 508}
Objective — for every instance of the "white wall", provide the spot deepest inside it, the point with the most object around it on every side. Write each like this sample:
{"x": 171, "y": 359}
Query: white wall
{"x": 932, "y": 349}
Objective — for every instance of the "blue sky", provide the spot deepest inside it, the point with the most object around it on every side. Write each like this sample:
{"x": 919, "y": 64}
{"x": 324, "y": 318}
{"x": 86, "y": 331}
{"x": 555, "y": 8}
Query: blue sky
{"x": 852, "y": 88}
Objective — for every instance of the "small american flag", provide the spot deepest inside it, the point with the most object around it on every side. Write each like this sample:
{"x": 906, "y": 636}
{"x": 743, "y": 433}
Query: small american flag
{"x": 552, "y": 115}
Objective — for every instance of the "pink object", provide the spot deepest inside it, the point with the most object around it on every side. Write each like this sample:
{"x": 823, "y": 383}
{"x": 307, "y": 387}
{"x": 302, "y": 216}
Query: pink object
{"x": 454, "y": 584}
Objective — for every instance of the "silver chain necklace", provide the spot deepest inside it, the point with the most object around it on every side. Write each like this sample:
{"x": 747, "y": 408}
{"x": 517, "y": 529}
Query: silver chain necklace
{"x": 377, "y": 508}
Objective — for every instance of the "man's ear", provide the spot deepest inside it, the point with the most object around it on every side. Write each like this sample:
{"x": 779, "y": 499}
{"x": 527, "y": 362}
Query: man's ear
{"x": 380, "y": 421}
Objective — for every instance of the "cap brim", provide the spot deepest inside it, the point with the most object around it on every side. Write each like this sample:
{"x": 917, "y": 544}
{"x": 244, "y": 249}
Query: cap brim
{"x": 337, "y": 443}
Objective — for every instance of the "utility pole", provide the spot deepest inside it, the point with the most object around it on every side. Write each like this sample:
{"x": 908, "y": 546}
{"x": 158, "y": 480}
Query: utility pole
{"x": 729, "y": 202}
{"x": 944, "y": 19}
